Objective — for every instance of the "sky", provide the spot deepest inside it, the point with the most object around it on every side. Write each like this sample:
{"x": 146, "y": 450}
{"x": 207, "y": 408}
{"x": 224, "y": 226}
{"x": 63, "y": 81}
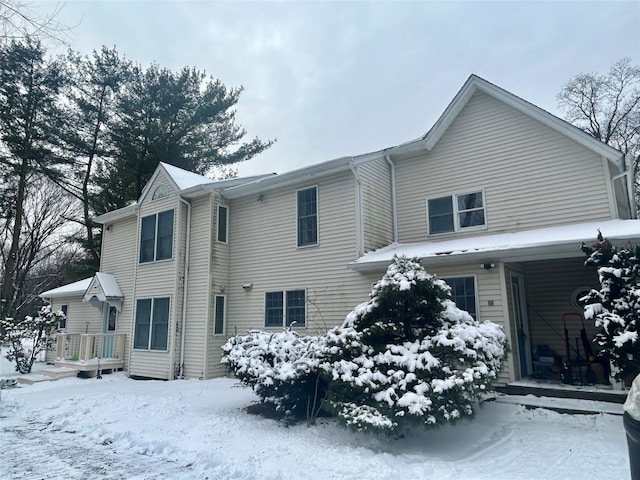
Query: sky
{"x": 340, "y": 78}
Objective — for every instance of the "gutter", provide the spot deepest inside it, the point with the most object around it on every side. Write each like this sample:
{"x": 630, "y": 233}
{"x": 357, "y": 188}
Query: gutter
{"x": 359, "y": 210}
{"x": 184, "y": 286}
{"x": 394, "y": 207}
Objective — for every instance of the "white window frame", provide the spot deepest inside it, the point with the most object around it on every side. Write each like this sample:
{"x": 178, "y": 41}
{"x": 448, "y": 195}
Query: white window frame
{"x": 224, "y": 315}
{"x": 226, "y": 241}
{"x": 64, "y": 308}
{"x": 160, "y": 192}
{"x": 308, "y": 245}
{"x": 623, "y": 177}
{"x": 151, "y": 323}
{"x": 456, "y": 212}
{"x": 155, "y": 238}
{"x": 475, "y": 288}
{"x": 285, "y": 308}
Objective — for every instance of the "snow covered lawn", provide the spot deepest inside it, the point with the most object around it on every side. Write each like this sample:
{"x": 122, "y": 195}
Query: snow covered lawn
{"x": 117, "y": 428}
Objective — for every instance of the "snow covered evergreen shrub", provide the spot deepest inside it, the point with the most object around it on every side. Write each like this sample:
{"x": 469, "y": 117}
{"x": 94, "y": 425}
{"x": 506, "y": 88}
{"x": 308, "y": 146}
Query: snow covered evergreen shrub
{"x": 409, "y": 355}
{"x": 28, "y": 337}
{"x": 615, "y": 308}
{"x": 282, "y": 369}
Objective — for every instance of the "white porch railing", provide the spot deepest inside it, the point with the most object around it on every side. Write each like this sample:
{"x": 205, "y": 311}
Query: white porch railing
{"x": 83, "y": 347}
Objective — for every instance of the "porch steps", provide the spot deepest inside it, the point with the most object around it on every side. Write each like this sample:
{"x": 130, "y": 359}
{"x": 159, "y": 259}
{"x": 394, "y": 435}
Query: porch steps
{"x": 587, "y": 399}
{"x": 32, "y": 378}
{"x": 58, "y": 372}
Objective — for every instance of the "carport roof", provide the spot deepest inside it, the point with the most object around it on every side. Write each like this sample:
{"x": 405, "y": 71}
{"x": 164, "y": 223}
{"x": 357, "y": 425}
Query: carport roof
{"x": 540, "y": 244}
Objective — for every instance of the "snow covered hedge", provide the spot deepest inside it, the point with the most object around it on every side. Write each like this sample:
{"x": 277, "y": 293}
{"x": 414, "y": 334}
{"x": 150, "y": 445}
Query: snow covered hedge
{"x": 406, "y": 356}
{"x": 615, "y": 308}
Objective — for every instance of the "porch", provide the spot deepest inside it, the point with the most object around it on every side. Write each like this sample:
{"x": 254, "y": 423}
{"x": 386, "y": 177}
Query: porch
{"x": 90, "y": 352}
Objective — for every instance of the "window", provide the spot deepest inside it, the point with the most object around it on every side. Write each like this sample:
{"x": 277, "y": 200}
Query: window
{"x": 160, "y": 192}
{"x": 223, "y": 223}
{"x": 62, "y": 324}
{"x": 308, "y": 217}
{"x": 621, "y": 193}
{"x": 456, "y": 212}
{"x": 284, "y": 308}
{"x": 156, "y": 237}
{"x": 463, "y": 292}
{"x": 152, "y": 324}
{"x": 218, "y": 315}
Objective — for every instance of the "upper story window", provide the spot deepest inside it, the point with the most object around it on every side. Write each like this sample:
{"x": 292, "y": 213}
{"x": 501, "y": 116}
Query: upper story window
{"x": 285, "y": 308}
{"x": 456, "y": 212}
{"x": 161, "y": 191}
{"x": 156, "y": 237}
{"x": 307, "y": 216}
{"x": 223, "y": 223}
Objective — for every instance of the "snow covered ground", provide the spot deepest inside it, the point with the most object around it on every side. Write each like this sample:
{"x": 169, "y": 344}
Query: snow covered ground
{"x": 117, "y": 428}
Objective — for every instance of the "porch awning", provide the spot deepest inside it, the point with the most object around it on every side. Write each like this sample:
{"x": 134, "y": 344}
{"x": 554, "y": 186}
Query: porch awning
{"x": 103, "y": 288}
{"x": 540, "y": 244}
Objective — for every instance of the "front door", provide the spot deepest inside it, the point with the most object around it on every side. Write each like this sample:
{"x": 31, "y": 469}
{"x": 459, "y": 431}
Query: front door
{"x": 110, "y": 318}
{"x": 522, "y": 324}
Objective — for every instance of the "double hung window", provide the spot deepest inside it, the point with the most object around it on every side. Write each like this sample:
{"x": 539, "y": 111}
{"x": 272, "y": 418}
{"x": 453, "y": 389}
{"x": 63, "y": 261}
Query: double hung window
{"x": 156, "y": 237}
{"x": 463, "y": 291}
{"x": 456, "y": 212}
{"x": 285, "y": 308}
{"x": 152, "y": 324}
{"x": 307, "y": 201}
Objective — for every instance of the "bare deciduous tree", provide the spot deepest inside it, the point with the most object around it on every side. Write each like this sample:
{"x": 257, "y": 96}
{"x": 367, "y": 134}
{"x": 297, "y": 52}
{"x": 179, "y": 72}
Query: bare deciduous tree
{"x": 19, "y": 20}
{"x": 606, "y": 106}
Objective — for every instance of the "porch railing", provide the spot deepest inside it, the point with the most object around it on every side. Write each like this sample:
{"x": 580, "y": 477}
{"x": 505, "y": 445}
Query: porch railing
{"x": 83, "y": 347}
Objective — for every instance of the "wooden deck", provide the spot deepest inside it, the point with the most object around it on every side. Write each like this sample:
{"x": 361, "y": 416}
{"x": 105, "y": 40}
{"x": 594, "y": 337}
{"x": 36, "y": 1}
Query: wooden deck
{"x": 90, "y": 352}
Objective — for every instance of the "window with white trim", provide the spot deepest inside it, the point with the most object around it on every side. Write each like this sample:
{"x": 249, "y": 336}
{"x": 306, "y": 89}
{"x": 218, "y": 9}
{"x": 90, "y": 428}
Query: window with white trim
{"x": 156, "y": 237}
{"x": 223, "y": 223}
{"x": 218, "y": 315}
{"x": 152, "y": 324}
{"x": 284, "y": 308}
{"x": 62, "y": 323}
{"x": 307, "y": 201}
{"x": 463, "y": 292}
{"x": 456, "y": 212}
{"x": 161, "y": 191}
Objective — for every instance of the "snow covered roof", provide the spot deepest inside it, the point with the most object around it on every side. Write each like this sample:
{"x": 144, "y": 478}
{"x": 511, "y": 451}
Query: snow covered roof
{"x": 69, "y": 290}
{"x": 183, "y": 178}
{"x": 544, "y": 243}
{"x": 108, "y": 285}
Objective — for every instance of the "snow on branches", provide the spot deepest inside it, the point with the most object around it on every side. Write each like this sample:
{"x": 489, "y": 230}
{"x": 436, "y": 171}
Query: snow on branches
{"x": 29, "y": 337}
{"x": 406, "y": 356}
{"x": 615, "y": 308}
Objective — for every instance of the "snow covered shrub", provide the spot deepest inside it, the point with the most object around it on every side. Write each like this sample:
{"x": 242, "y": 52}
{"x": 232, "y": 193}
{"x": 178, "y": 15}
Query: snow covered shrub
{"x": 282, "y": 369}
{"x": 28, "y": 337}
{"x": 409, "y": 355}
{"x": 616, "y": 306}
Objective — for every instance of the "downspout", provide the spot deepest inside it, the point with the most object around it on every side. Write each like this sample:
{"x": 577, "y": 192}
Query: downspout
{"x": 629, "y": 164}
{"x": 359, "y": 210}
{"x": 394, "y": 208}
{"x": 184, "y": 286}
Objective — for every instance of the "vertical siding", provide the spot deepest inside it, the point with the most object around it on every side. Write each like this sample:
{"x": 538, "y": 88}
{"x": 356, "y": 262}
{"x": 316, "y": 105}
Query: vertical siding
{"x": 532, "y": 176}
{"x": 119, "y": 258}
{"x": 377, "y": 210}
{"x": 159, "y": 279}
{"x": 263, "y": 252}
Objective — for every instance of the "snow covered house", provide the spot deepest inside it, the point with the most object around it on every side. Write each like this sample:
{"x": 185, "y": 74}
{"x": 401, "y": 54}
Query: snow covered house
{"x": 495, "y": 199}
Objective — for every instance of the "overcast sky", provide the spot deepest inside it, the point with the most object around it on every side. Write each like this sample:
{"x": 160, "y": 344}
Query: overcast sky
{"x": 331, "y": 79}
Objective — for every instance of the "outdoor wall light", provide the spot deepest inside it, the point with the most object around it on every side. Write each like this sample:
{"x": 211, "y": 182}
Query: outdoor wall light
{"x": 221, "y": 288}
{"x": 247, "y": 286}
{"x": 488, "y": 266}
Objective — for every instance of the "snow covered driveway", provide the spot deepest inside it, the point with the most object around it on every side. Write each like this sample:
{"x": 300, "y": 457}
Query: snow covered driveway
{"x": 117, "y": 428}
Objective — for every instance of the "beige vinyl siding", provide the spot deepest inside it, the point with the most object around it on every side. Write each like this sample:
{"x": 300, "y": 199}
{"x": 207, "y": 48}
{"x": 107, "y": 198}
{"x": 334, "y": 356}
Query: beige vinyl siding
{"x": 198, "y": 289}
{"x": 550, "y": 285}
{"x": 489, "y": 295}
{"x": 119, "y": 257}
{"x": 159, "y": 279}
{"x": 377, "y": 204}
{"x": 264, "y": 253}
{"x": 220, "y": 262}
{"x": 532, "y": 176}
{"x": 78, "y": 314}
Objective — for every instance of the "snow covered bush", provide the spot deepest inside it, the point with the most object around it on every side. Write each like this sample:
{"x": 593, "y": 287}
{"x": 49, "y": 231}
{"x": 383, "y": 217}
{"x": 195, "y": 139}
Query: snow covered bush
{"x": 282, "y": 369}
{"x": 28, "y": 337}
{"x": 409, "y": 355}
{"x": 615, "y": 308}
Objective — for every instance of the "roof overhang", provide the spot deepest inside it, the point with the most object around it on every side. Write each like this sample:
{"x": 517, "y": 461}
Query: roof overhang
{"x": 74, "y": 289}
{"x": 529, "y": 245}
{"x": 124, "y": 212}
{"x": 103, "y": 288}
